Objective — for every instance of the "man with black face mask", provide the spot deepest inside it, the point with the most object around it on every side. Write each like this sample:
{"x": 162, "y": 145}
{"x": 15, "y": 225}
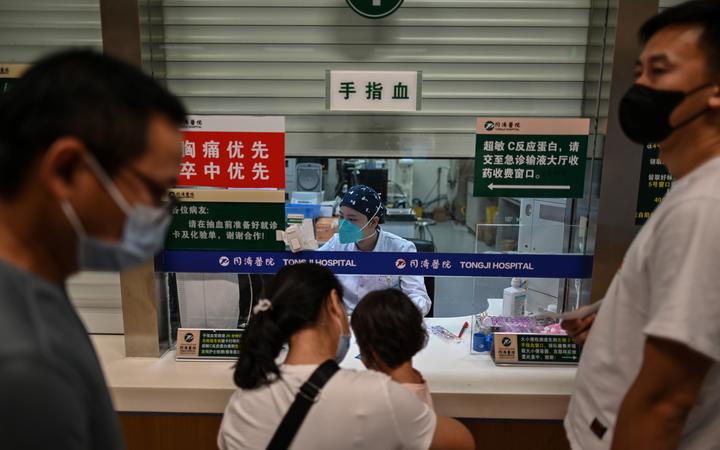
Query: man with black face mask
{"x": 88, "y": 148}
{"x": 649, "y": 376}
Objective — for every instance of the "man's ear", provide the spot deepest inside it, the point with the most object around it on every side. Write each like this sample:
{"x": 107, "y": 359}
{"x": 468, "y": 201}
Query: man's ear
{"x": 60, "y": 165}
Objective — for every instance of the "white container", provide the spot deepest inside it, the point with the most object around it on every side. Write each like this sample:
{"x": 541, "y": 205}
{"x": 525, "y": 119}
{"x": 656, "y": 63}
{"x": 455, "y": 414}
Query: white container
{"x": 514, "y": 299}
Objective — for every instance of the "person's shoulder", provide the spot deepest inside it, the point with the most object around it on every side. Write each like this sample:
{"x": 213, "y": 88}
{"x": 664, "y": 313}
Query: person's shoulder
{"x": 363, "y": 376}
{"x": 333, "y": 244}
{"x": 367, "y": 385}
{"x": 701, "y": 184}
{"x": 694, "y": 209}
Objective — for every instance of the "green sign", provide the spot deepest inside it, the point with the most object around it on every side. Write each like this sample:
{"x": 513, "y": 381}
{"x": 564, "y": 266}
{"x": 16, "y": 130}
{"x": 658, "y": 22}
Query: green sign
{"x": 655, "y": 180}
{"x": 547, "y": 349}
{"x": 523, "y": 349}
{"x": 514, "y": 165}
{"x": 226, "y": 226}
{"x": 220, "y": 343}
{"x": 199, "y": 343}
{"x": 375, "y": 9}
{"x": 530, "y": 157}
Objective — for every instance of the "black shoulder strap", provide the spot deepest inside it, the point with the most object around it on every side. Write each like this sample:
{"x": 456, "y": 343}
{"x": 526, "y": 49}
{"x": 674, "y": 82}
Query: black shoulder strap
{"x": 306, "y": 397}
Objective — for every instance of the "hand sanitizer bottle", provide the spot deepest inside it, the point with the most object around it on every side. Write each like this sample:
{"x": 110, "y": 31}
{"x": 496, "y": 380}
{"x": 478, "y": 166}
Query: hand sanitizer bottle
{"x": 514, "y": 299}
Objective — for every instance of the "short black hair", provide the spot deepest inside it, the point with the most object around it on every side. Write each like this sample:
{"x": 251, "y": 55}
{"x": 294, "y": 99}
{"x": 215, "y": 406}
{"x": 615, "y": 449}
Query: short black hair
{"x": 388, "y": 326}
{"x": 104, "y": 102}
{"x": 704, "y": 13}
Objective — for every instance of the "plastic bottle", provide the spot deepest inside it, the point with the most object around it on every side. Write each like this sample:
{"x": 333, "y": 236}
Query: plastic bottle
{"x": 514, "y": 299}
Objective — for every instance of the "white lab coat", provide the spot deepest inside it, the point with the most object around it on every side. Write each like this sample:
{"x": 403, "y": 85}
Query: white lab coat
{"x": 357, "y": 286}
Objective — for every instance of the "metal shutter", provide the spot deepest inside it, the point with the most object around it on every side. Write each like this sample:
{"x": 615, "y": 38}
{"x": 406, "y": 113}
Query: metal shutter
{"x": 478, "y": 57}
{"x": 30, "y": 29}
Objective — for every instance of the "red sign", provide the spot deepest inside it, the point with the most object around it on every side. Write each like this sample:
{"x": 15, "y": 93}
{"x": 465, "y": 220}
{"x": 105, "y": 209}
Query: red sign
{"x": 232, "y": 158}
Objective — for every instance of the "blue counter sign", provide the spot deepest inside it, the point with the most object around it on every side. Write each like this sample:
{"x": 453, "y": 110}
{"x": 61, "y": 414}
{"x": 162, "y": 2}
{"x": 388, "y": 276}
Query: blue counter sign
{"x": 375, "y": 9}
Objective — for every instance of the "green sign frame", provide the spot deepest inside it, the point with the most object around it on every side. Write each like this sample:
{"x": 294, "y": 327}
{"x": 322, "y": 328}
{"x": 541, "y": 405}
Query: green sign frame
{"x": 226, "y": 226}
{"x": 375, "y": 9}
{"x": 547, "y": 349}
{"x": 530, "y": 166}
{"x": 208, "y": 344}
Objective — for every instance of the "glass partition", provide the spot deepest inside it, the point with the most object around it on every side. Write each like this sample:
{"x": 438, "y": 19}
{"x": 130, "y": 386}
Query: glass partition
{"x": 478, "y": 59}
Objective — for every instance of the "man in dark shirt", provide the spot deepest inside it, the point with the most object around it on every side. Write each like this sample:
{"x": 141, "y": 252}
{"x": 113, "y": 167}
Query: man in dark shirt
{"x": 88, "y": 147}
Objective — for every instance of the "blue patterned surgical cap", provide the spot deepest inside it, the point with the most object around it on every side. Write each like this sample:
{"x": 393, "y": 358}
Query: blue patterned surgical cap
{"x": 365, "y": 200}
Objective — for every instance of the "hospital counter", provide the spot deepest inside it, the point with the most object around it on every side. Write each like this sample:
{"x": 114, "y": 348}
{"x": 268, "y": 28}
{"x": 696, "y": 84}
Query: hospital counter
{"x": 164, "y": 403}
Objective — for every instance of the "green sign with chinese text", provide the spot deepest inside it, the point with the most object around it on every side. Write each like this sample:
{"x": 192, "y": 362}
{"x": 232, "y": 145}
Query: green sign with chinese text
{"x": 226, "y": 226}
{"x": 533, "y": 348}
{"x": 202, "y": 343}
{"x": 547, "y": 348}
{"x": 226, "y": 219}
{"x": 531, "y": 158}
{"x": 655, "y": 181}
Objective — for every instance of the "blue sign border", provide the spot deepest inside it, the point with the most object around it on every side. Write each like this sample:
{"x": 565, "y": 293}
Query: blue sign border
{"x": 382, "y": 263}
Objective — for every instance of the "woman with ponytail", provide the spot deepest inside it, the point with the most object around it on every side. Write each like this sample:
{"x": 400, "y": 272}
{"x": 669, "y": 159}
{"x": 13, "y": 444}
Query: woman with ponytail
{"x": 354, "y": 409}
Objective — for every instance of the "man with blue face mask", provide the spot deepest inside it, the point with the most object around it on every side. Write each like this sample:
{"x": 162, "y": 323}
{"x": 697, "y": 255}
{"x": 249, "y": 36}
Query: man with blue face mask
{"x": 649, "y": 375}
{"x": 88, "y": 148}
{"x": 361, "y": 212}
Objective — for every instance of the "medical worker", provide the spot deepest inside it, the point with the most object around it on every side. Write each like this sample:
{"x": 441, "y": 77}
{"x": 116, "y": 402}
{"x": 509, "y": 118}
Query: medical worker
{"x": 361, "y": 212}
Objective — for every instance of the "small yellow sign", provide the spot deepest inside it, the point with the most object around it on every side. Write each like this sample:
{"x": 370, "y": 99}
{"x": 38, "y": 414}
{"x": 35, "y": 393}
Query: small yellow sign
{"x": 13, "y": 70}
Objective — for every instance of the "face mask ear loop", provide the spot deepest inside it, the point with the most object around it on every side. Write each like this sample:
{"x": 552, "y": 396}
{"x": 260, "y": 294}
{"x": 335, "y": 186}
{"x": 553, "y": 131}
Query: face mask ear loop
{"x": 691, "y": 118}
{"x": 108, "y": 184}
{"x": 700, "y": 88}
{"x": 699, "y": 114}
{"x": 370, "y": 220}
{"x": 368, "y": 223}
{"x": 73, "y": 218}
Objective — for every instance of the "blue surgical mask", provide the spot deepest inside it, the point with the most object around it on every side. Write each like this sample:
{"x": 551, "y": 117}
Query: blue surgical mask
{"x": 343, "y": 346}
{"x": 348, "y": 232}
{"x": 143, "y": 236}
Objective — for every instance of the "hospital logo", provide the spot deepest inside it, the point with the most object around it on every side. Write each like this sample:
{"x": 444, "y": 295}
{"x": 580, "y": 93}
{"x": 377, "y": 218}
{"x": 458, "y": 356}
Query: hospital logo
{"x": 400, "y": 263}
{"x": 501, "y": 125}
{"x": 192, "y": 124}
{"x": 224, "y": 261}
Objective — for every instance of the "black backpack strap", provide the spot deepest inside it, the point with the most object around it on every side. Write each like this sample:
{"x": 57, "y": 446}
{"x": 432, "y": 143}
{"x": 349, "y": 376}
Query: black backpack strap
{"x": 306, "y": 397}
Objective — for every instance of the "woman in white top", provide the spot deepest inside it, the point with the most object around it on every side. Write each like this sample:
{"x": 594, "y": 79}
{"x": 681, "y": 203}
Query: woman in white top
{"x": 354, "y": 410}
{"x": 361, "y": 212}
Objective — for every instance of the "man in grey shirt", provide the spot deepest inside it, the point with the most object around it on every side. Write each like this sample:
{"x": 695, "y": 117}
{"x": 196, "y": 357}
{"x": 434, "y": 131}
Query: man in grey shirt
{"x": 88, "y": 147}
